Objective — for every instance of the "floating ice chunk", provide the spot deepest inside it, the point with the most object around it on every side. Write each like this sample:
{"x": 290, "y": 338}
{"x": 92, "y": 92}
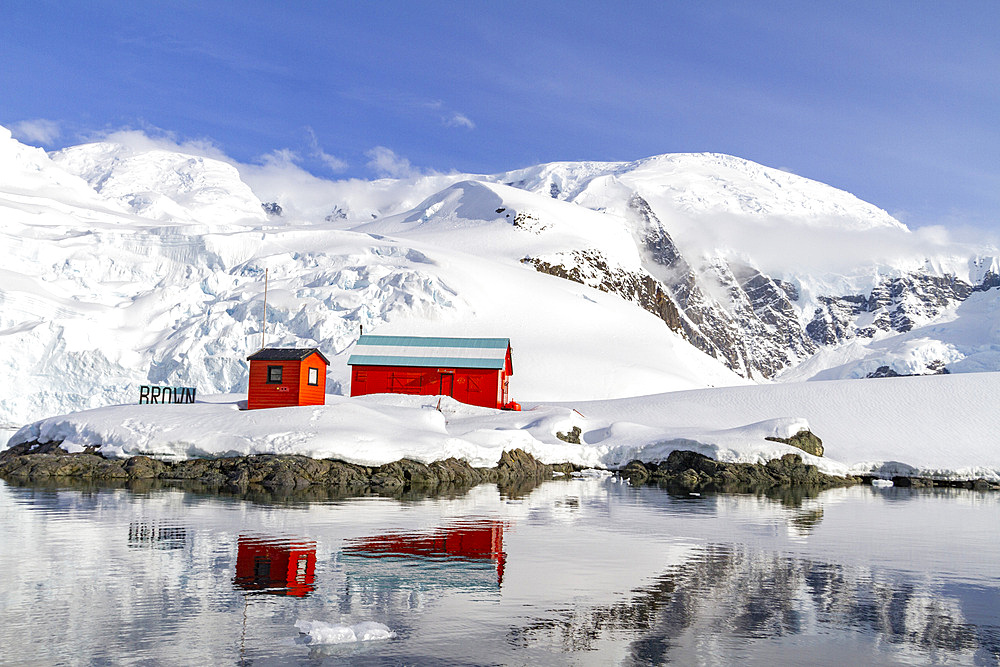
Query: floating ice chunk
{"x": 884, "y": 483}
{"x": 592, "y": 473}
{"x": 370, "y": 630}
{"x": 334, "y": 633}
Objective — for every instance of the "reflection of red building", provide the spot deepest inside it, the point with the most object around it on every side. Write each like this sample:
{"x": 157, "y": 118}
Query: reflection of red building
{"x": 473, "y": 541}
{"x": 277, "y": 567}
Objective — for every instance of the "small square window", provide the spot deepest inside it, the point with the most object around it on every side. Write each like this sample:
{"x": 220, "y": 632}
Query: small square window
{"x": 274, "y": 374}
{"x": 314, "y": 376}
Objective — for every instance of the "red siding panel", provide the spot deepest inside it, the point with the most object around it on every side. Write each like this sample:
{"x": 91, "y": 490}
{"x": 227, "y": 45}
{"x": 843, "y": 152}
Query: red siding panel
{"x": 294, "y": 388}
{"x": 474, "y": 386}
{"x": 312, "y": 394}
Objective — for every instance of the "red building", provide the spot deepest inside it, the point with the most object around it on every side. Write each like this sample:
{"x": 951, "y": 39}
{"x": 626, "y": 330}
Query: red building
{"x": 280, "y": 377}
{"x": 471, "y": 370}
{"x": 277, "y": 567}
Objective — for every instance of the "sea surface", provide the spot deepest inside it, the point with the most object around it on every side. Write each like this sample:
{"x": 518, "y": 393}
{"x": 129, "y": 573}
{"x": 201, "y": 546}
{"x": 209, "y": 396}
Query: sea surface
{"x": 584, "y": 571}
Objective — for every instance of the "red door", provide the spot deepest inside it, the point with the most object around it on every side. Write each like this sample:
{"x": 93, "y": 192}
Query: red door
{"x": 447, "y": 384}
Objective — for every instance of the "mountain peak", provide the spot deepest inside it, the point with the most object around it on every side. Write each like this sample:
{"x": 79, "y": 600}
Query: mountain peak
{"x": 164, "y": 185}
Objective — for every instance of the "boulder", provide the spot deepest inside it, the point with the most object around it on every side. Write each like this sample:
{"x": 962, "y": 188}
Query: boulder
{"x": 804, "y": 440}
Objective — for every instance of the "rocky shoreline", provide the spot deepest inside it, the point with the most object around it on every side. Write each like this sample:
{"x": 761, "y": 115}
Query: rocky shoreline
{"x": 690, "y": 471}
{"x": 32, "y": 461}
{"x": 516, "y": 472}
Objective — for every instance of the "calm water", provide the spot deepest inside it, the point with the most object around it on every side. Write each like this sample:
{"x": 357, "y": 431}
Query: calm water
{"x": 588, "y": 571}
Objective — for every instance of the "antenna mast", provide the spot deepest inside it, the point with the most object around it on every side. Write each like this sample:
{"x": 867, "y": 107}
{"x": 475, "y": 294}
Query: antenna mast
{"x": 263, "y": 317}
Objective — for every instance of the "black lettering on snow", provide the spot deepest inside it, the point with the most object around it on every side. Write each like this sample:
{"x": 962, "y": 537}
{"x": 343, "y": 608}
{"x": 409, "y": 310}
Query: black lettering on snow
{"x": 143, "y": 394}
{"x": 154, "y": 394}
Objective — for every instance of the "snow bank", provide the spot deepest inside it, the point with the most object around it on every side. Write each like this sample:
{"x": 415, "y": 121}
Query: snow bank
{"x": 938, "y": 426}
{"x": 943, "y": 426}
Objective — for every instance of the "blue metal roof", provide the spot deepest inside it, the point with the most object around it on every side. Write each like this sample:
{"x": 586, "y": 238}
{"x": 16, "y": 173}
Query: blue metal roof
{"x": 430, "y": 351}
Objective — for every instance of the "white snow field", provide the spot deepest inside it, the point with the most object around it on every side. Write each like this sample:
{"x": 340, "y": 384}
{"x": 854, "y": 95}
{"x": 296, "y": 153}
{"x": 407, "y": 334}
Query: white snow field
{"x": 945, "y": 427}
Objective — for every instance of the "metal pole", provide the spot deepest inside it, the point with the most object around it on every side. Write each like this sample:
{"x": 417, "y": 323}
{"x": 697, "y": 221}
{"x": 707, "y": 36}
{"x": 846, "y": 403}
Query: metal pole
{"x": 263, "y": 317}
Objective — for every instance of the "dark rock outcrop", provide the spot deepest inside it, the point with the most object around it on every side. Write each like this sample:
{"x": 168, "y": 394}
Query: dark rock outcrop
{"x": 34, "y": 461}
{"x": 690, "y": 471}
{"x": 933, "y": 368}
{"x": 804, "y": 440}
{"x": 572, "y": 437}
{"x": 591, "y": 268}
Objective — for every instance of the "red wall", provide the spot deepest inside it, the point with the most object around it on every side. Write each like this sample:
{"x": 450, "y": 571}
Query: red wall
{"x": 475, "y": 386}
{"x": 294, "y": 388}
{"x": 312, "y": 394}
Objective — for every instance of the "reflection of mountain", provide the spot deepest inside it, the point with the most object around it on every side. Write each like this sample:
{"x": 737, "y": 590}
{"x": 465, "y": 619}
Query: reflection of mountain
{"x": 279, "y": 567}
{"x": 727, "y": 599}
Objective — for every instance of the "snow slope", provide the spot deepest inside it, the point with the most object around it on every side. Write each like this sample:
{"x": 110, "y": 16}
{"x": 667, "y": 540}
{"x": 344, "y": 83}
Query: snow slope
{"x": 937, "y": 426}
{"x": 705, "y": 183}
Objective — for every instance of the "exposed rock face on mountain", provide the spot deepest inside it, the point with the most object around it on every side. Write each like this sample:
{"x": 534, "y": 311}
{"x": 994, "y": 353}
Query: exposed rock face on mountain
{"x": 591, "y": 269}
{"x": 728, "y": 306}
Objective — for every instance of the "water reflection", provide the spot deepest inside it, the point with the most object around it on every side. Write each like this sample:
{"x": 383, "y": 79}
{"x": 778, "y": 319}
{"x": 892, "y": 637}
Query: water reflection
{"x": 156, "y": 535}
{"x": 581, "y": 572}
{"x": 718, "y": 604}
{"x": 275, "y": 566}
{"x": 455, "y": 555}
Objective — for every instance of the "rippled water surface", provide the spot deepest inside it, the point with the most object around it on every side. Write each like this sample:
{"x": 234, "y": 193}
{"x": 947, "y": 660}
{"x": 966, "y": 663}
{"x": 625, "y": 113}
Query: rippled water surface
{"x": 584, "y": 571}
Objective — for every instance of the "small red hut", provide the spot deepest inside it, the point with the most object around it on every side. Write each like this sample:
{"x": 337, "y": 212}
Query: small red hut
{"x": 281, "y": 377}
{"x": 471, "y": 370}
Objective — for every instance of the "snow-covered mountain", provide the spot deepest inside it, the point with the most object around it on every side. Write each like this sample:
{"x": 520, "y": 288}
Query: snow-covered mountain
{"x": 767, "y": 268}
{"x": 164, "y": 185}
{"x": 135, "y": 265}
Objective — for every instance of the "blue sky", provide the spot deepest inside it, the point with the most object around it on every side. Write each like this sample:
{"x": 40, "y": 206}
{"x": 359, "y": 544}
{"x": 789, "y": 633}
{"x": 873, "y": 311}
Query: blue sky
{"x": 897, "y": 102}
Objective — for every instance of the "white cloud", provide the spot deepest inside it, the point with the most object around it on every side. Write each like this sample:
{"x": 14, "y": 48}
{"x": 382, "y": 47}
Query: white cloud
{"x": 280, "y": 157}
{"x": 790, "y": 247}
{"x": 278, "y": 176}
{"x": 386, "y": 163}
{"x": 153, "y": 138}
{"x": 39, "y": 130}
{"x": 459, "y": 120}
{"x": 332, "y": 162}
